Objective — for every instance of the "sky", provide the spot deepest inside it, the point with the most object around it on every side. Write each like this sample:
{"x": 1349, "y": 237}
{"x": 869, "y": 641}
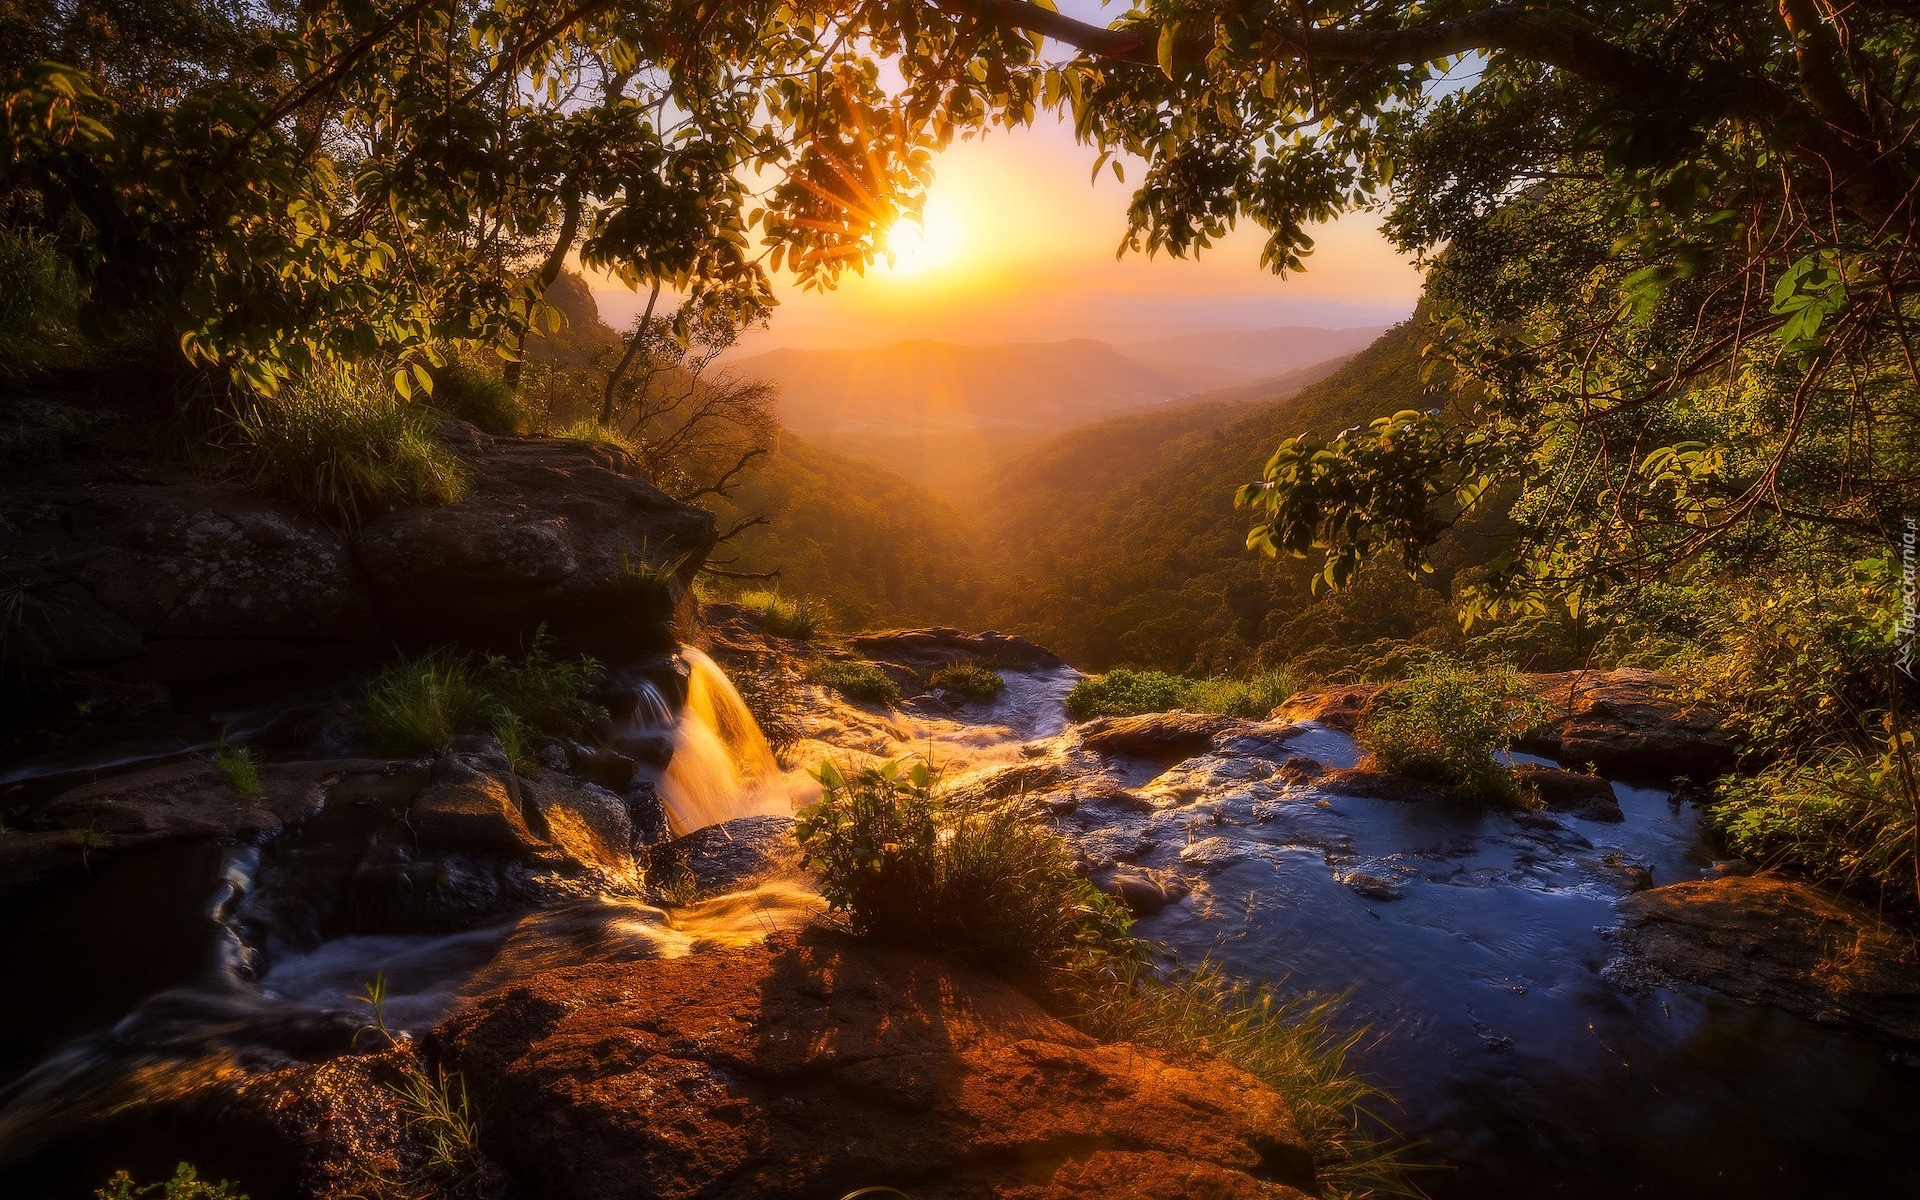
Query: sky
{"x": 1018, "y": 246}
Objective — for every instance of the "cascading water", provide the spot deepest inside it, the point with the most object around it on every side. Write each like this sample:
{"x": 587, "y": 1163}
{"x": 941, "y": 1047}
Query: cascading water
{"x": 722, "y": 767}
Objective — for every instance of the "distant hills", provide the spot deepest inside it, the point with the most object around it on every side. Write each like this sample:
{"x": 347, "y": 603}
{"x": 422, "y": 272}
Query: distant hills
{"x": 942, "y": 414}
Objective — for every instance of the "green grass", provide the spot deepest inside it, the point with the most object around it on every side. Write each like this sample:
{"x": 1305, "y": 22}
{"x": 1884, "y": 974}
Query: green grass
{"x": 466, "y": 391}
{"x": 186, "y": 1184}
{"x": 1126, "y": 693}
{"x": 343, "y": 449}
{"x": 418, "y": 705}
{"x": 39, "y": 307}
{"x": 593, "y": 433}
{"x": 975, "y": 682}
{"x": 858, "y": 681}
{"x": 648, "y": 580}
{"x": 1444, "y": 722}
{"x": 238, "y": 766}
{"x": 781, "y": 616}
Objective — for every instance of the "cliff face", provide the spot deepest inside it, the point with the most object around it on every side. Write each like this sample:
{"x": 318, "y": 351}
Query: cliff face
{"x": 155, "y": 575}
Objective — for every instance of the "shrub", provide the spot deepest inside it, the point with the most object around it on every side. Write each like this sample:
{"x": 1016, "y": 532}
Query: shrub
{"x": 859, "y": 681}
{"x": 1126, "y": 693}
{"x": 989, "y": 887}
{"x": 1253, "y": 697}
{"x": 1444, "y": 723}
{"x": 1851, "y": 818}
{"x": 341, "y": 448}
{"x": 238, "y": 766}
{"x": 417, "y": 705}
{"x": 39, "y": 307}
{"x": 186, "y": 1184}
{"x": 970, "y": 680}
{"x": 463, "y": 390}
{"x": 786, "y": 618}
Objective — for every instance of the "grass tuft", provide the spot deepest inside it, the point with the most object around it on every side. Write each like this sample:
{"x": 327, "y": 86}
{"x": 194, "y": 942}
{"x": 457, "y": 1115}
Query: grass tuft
{"x": 464, "y": 390}
{"x": 862, "y": 682}
{"x": 1252, "y": 697}
{"x": 418, "y": 705}
{"x": 971, "y": 680}
{"x": 238, "y": 766}
{"x": 343, "y": 449}
{"x": 781, "y": 616}
{"x": 186, "y": 1184}
{"x": 1128, "y": 693}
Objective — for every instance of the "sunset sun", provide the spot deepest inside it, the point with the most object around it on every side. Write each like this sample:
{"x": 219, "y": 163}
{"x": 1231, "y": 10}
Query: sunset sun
{"x": 933, "y": 241}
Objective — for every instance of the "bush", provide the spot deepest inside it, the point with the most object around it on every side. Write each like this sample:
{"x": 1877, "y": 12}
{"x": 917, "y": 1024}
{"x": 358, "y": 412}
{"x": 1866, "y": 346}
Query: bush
{"x": 1851, "y": 819}
{"x": 1253, "y": 697}
{"x": 859, "y": 681}
{"x": 39, "y": 307}
{"x": 238, "y": 766}
{"x": 1126, "y": 693}
{"x": 1444, "y": 723}
{"x": 970, "y": 680}
{"x": 783, "y": 617}
{"x": 341, "y": 449}
{"x": 465, "y": 391}
{"x": 418, "y": 705}
{"x": 988, "y": 887}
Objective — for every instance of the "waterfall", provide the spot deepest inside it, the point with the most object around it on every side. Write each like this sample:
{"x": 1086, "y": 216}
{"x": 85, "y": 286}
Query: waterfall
{"x": 722, "y": 767}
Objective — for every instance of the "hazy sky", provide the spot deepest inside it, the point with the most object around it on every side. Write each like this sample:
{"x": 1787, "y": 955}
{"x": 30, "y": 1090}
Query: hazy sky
{"x": 1019, "y": 246}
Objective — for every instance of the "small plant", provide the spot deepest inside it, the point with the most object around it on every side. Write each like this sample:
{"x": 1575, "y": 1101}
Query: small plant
{"x": 1125, "y": 693}
{"x": 463, "y": 390}
{"x": 593, "y": 433}
{"x": 770, "y": 686}
{"x": 544, "y": 692}
{"x": 1444, "y": 723}
{"x": 186, "y": 1184}
{"x": 342, "y": 448}
{"x": 238, "y": 766}
{"x": 858, "y": 681}
{"x": 417, "y": 705}
{"x": 649, "y": 582}
{"x": 440, "y": 1119}
{"x": 971, "y": 680}
{"x": 781, "y": 616}
{"x": 374, "y": 996}
{"x": 990, "y": 887}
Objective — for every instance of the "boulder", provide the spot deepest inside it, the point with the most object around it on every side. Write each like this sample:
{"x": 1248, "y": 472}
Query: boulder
{"x": 1161, "y": 737}
{"x": 730, "y": 855}
{"x": 549, "y": 533}
{"x": 817, "y": 1065}
{"x": 472, "y": 807}
{"x": 924, "y": 649}
{"x": 1586, "y": 796}
{"x": 587, "y": 823}
{"x": 1341, "y": 706}
{"x": 1780, "y": 942}
{"x": 159, "y": 575}
{"x": 1144, "y": 891}
{"x": 1629, "y": 722}
{"x": 1375, "y": 785}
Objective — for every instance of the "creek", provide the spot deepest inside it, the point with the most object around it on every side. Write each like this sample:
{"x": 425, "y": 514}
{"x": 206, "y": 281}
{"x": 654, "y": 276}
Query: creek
{"x": 1523, "y": 1052}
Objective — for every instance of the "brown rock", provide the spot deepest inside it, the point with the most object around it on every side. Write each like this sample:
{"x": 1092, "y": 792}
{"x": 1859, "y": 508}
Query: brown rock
{"x": 816, "y": 1065}
{"x": 1375, "y": 785}
{"x": 1159, "y": 736}
{"x": 1587, "y": 796}
{"x": 1342, "y": 706}
{"x": 730, "y": 855}
{"x": 587, "y": 823}
{"x": 1629, "y": 721}
{"x": 471, "y": 808}
{"x": 924, "y": 649}
{"x": 1143, "y": 890}
{"x": 1764, "y": 938}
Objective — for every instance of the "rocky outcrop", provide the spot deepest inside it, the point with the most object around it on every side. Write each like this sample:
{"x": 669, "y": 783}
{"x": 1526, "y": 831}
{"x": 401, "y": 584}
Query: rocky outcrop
{"x": 1375, "y": 785}
{"x": 158, "y": 575}
{"x": 1338, "y": 706}
{"x": 1776, "y": 941}
{"x": 816, "y": 1065}
{"x": 727, "y": 856}
{"x": 1629, "y": 722}
{"x": 924, "y": 649}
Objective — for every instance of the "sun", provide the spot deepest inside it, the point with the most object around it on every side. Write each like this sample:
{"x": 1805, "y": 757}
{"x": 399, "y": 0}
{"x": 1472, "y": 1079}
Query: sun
{"x": 934, "y": 241}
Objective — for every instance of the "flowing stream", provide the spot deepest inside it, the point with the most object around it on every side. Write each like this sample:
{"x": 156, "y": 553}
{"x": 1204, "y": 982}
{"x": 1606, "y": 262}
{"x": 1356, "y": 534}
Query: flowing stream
{"x": 1523, "y": 1054}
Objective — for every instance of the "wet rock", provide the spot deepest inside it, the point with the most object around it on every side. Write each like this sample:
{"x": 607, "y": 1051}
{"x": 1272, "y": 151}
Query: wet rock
{"x": 1629, "y": 722}
{"x": 1160, "y": 737}
{"x": 1343, "y": 706}
{"x": 1732, "y": 866}
{"x": 730, "y": 855}
{"x": 816, "y": 1065}
{"x": 924, "y": 649}
{"x": 1299, "y": 770}
{"x": 648, "y": 814}
{"x": 1780, "y": 942}
{"x": 179, "y": 802}
{"x": 1144, "y": 891}
{"x": 1371, "y": 886}
{"x": 1586, "y": 796}
{"x": 1212, "y": 853}
{"x": 587, "y": 823}
{"x": 1005, "y": 782}
{"x": 608, "y": 768}
{"x": 1375, "y": 785}
{"x": 472, "y": 806}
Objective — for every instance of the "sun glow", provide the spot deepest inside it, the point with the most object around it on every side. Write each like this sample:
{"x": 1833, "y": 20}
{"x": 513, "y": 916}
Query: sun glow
{"x": 934, "y": 241}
